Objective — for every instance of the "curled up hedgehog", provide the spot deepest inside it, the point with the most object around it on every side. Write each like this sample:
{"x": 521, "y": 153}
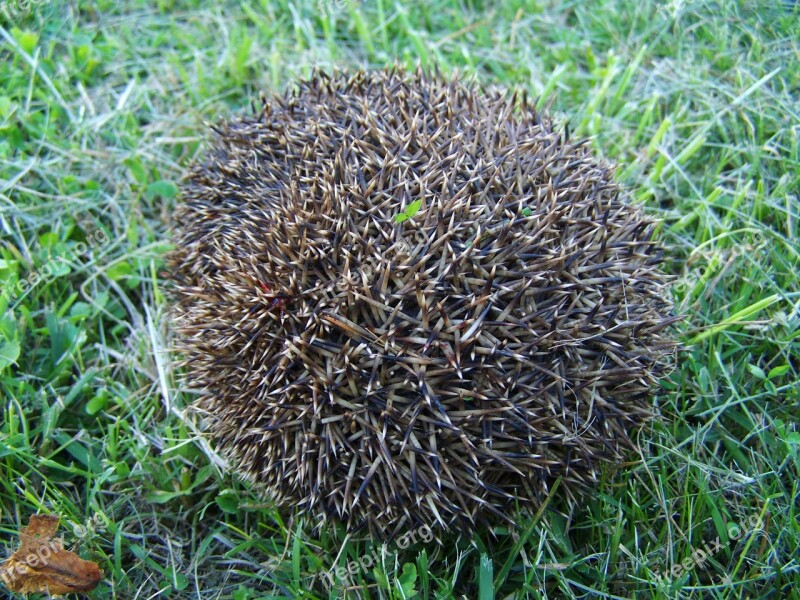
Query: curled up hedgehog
{"x": 407, "y": 301}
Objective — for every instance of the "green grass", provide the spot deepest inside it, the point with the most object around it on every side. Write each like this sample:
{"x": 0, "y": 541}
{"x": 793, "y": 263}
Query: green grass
{"x": 102, "y": 106}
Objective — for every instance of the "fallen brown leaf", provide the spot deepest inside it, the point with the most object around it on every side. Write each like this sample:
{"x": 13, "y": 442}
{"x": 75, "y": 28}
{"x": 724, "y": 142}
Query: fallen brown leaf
{"x": 42, "y": 566}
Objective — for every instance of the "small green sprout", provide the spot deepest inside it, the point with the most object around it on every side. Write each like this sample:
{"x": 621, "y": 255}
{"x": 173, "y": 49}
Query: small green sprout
{"x": 411, "y": 210}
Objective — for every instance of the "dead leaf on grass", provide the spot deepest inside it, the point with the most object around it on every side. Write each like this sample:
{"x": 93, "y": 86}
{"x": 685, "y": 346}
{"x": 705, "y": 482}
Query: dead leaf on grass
{"x": 42, "y": 566}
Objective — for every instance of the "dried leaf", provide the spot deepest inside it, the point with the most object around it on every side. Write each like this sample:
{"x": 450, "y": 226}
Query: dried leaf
{"x": 42, "y": 566}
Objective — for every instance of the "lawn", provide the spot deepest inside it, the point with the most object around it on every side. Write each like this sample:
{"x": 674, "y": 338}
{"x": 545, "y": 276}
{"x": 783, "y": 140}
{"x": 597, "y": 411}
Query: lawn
{"x": 104, "y": 104}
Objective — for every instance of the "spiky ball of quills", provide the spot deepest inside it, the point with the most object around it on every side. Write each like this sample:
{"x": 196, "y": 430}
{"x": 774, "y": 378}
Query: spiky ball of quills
{"x": 409, "y": 301}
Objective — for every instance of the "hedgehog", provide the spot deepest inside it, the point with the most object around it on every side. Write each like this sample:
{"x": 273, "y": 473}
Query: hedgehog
{"x": 405, "y": 299}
